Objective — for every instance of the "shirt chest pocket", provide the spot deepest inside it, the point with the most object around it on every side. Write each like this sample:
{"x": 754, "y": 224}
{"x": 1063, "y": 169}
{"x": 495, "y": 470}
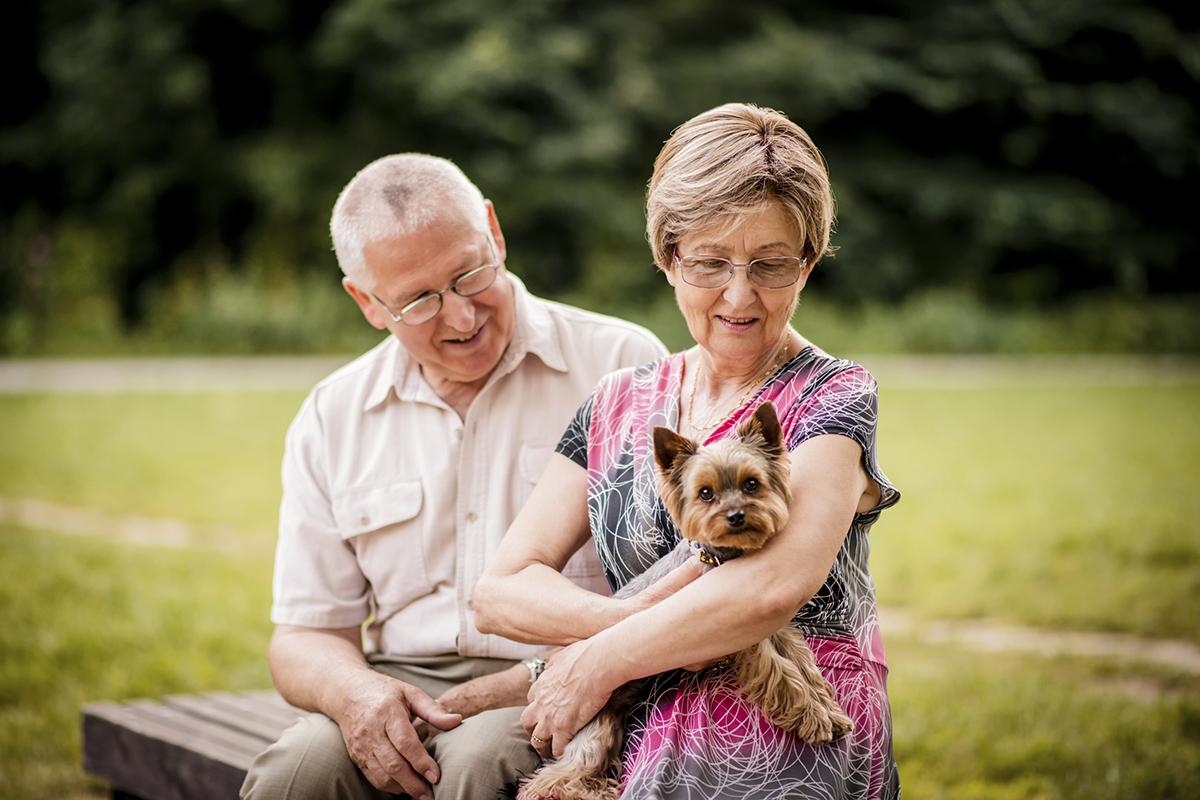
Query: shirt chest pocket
{"x": 384, "y": 526}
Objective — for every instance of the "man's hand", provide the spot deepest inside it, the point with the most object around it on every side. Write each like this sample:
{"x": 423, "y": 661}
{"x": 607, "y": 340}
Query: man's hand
{"x": 499, "y": 690}
{"x": 377, "y": 726}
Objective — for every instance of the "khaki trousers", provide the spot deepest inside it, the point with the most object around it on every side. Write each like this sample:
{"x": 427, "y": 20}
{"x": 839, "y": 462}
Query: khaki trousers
{"x": 478, "y": 758}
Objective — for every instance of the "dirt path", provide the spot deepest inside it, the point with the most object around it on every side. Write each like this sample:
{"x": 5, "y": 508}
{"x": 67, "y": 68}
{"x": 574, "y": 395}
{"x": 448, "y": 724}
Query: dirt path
{"x": 977, "y": 635}
{"x": 126, "y": 529}
{"x": 280, "y": 373}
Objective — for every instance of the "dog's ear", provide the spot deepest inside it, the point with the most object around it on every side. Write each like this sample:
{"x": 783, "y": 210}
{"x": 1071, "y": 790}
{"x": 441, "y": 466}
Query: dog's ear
{"x": 765, "y": 423}
{"x": 670, "y": 446}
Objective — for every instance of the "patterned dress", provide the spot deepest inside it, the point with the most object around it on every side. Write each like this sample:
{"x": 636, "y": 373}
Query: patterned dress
{"x": 692, "y": 735}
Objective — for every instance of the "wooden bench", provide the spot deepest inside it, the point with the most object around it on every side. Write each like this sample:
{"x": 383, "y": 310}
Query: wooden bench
{"x": 195, "y": 747}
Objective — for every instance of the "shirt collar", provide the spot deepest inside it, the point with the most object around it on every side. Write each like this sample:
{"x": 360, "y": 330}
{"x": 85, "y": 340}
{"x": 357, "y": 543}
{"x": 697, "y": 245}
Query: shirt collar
{"x": 533, "y": 334}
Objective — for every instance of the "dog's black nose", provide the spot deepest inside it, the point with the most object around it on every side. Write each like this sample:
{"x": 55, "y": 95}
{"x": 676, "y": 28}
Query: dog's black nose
{"x": 736, "y": 518}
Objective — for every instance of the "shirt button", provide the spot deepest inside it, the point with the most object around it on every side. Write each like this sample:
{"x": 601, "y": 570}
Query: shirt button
{"x": 364, "y": 520}
{"x": 458, "y": 434}
{"x": 472, "y": 516}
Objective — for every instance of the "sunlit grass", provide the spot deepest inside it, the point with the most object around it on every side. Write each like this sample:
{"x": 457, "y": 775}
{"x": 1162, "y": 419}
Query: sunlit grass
{"x": 1047, "y": 505}
{"x": 1056, "y": 506}
{"x": 208, "y": 458}
{"x": 1009, "y": 727}
{"x": 1050, "y": 505}
{"x": 84, "y": 620}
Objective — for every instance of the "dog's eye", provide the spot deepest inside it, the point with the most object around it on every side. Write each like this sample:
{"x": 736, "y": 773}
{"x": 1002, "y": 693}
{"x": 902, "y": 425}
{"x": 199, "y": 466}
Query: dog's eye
{"x": 706, "y": 494}
{"x": 750, "y": 486}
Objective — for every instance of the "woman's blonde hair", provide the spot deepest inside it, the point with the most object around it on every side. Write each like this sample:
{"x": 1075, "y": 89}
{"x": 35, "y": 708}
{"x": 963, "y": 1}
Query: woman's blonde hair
{"x": 730, "y": 161}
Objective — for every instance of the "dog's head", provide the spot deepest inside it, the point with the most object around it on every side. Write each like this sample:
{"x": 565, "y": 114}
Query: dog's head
{"x": 732, "y": 494}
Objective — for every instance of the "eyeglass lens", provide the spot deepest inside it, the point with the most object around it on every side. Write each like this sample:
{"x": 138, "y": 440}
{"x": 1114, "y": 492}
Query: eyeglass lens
{"x": 771, "y": 273}
{"x": 471, "y": 283}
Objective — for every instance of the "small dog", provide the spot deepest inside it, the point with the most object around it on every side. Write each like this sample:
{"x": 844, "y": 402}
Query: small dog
{"x": 728, "y": 498}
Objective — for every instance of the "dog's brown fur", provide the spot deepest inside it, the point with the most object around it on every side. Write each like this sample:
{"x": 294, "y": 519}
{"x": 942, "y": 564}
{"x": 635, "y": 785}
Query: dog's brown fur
{"x": 731, "y": 496}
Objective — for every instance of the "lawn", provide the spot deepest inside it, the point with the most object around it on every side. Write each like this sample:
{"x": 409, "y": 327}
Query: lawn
{"x": 82, "y": 619}
{"x": 1042, "y": 504}
{"x": 1052, "y": 505}
{"x": 1045, "y": 503}
{"x": 205, "y": 458}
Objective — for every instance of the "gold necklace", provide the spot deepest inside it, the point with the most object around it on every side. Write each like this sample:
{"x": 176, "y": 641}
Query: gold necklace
{"x": 706, "y": 426}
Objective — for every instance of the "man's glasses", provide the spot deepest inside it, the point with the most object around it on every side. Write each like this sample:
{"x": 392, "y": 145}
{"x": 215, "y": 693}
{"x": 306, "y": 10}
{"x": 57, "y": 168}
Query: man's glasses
{"x": 427, "y": 306}
{"x": 711, "y": 272}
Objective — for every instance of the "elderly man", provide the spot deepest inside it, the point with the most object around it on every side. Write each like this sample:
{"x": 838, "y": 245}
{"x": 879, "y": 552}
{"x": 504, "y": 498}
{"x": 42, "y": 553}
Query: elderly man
{"x": 401, "y": 473}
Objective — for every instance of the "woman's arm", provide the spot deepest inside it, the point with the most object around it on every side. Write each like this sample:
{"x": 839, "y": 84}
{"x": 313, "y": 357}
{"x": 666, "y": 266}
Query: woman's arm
{"x": 523, "y": 594}
{"x": 736, "y": 605}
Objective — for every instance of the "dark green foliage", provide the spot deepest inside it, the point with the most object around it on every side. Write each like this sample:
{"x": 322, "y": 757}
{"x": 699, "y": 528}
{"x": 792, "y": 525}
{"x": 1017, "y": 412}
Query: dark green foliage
{"x": 1020, "y": 152}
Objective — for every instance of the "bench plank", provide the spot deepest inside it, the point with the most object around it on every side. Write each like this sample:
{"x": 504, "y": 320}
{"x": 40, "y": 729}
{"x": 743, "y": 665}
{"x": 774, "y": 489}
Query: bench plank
{"x": 186, "y": 748}
{"x": 146, "y": 758}
{"x": 236, "y": 719}
{"x": 257, "y": 706}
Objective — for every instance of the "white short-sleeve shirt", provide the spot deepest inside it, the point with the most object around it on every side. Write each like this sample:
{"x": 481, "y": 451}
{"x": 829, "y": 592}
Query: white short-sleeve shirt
{"x": 392, "y": 504}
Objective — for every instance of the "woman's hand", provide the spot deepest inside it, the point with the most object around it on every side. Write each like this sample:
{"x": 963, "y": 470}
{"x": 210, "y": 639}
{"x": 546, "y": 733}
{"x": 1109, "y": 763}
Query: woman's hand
{"x": 668, "y": 584}
{"x": 565, "y": 698}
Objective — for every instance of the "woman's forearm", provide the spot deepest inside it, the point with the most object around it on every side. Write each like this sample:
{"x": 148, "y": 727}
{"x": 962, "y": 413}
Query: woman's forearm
{"x": 703, "y": 622}
{"x": 537, "y": 605}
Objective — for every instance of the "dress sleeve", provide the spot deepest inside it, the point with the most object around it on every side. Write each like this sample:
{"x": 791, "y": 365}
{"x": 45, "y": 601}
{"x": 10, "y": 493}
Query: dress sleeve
{"x": 574, "y": 441}
{"x": 846, "y": 404}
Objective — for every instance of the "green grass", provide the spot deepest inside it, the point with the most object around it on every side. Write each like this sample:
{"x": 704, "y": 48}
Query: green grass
{"x": 1040, "y": 504}
{"x": 1005, "y": 727}
{"x": 1071, "y": 507}
{"x": 1067, "y": 506}
{"x": 84, "y": 620}
{"x": 206, "y": 458}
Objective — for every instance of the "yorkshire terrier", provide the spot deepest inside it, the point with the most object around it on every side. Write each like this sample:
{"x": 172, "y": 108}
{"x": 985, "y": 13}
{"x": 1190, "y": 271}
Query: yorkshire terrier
{"x": 727, "y": 499}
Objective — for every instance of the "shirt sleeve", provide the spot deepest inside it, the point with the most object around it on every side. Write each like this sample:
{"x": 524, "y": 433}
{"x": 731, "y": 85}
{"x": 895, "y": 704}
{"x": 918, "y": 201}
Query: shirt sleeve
{"x": 574, "y": 441}
{"x": 318, "y": 582}
{"x": 846, "y": 404}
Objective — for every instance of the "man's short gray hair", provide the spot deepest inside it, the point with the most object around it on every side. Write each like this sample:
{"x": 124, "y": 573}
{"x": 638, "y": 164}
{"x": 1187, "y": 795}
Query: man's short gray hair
{"x": 394, "y": 196}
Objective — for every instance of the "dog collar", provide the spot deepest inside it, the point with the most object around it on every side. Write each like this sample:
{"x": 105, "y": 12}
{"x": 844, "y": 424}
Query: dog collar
{"x": 706, "y": 556}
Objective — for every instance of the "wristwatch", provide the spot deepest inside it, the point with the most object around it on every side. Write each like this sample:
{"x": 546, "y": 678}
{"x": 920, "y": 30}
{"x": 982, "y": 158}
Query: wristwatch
{"x": 536, "y": 667}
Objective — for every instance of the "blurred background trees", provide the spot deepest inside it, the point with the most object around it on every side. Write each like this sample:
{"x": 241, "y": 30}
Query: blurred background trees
{"x": 169, "y": 167}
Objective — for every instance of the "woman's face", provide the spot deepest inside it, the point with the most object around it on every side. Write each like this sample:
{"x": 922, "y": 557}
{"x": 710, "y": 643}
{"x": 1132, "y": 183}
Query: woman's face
{"x": 740, "y": 322}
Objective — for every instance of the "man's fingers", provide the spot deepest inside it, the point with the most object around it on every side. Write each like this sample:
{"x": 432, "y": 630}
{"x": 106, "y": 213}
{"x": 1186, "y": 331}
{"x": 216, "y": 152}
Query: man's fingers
{"x": 430, "y": 710}
{"x": 402, "y": 774}
{"x": 408, "y": 745}
{"x": 378, "y": 777}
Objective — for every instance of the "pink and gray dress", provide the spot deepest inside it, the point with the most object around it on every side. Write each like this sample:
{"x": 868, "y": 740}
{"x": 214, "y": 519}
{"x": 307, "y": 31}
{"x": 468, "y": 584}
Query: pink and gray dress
{"x": 692, "y": 735}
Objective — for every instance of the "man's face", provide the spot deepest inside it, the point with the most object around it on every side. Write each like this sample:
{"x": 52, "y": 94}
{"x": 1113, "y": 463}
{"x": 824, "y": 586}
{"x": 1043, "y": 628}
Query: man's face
{"x": 465, "y": 341}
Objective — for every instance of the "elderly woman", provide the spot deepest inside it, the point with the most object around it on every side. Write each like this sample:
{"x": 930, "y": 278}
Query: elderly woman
{"x": 739, "y": 211}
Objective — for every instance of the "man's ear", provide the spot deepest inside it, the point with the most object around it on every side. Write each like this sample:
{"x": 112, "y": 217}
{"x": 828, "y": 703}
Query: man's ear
{"x": 497, "y": 234}
{"x": 366, "y": 304}
{"x": 669, "y": 447}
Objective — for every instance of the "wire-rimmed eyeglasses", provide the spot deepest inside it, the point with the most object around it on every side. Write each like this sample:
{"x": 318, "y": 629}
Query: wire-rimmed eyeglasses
{"x": 711, "y": 272}
{"x": 427, "y": 306}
